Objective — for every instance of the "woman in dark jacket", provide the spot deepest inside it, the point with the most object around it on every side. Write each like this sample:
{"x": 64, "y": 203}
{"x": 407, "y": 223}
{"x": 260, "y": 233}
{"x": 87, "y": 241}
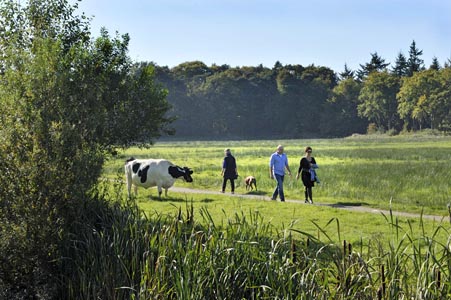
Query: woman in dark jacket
{"x": 229, "y": 171}
{"x": 305, "y": 166}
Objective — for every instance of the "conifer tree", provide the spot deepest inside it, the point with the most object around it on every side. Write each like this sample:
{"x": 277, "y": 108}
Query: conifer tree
{"x": 435, "y": 65}
{"x": 400, "y": 67}
{"x": 346, "y": 74}
{"x": 376, "y": 63}
{"x": 414, "y": 63}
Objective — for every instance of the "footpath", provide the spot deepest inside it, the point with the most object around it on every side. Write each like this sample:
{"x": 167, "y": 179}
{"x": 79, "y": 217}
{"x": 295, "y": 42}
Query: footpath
{"x": 338, "y": 206}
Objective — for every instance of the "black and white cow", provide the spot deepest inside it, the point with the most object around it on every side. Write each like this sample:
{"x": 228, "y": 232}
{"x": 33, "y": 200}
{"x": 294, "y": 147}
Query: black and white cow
{"x": 154, "y": 172}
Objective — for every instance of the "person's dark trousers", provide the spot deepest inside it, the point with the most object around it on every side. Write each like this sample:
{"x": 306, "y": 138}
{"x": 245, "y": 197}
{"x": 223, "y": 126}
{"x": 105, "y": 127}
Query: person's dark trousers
{"x": 232, "y": 184}
{"x": 279, "y": 188}
{"x": 308, "y": 194}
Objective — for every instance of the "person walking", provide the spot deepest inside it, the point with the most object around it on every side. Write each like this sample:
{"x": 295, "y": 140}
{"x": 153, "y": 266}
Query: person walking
{"x": 278, "y": 162}
{"x": 306, "y": 168}
{"x": 229, "y": 170}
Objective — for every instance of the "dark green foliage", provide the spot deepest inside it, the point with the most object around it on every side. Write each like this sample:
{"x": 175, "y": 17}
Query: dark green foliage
{"x": 414, "y": 63}
{"x": 346, "y": 74}
{"x": 65, "y": 101}
{"x": 378, "y": 100}
{"x": 376, "y": 64}
{"x": 291, "y": 101}
{"x": 247, "y": 102}
{"x": 400, "y": 68}
{"x": 342, "y": 105}
{"x": 435, "y": 65}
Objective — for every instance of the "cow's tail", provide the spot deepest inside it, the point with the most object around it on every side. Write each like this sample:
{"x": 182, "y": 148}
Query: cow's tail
{"x": 128, "y": 177}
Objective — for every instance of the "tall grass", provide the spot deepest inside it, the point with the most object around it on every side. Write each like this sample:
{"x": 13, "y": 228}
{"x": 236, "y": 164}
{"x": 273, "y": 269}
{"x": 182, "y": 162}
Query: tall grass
{"x": 116, "y": 252}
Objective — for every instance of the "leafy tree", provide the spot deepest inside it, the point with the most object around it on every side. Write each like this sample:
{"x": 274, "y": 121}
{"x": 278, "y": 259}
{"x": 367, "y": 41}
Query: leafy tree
{"x": 195, "y": 70}
{"x": 418, "y": 104}
{"x": 414, "y": 63}
{"x": 287, "y": 80}
{"x": 378, "y": 99}
{"x": 340, "y": 117}
{"x": 442, "y": 101}
{"x": 74, "y": 99}
{"x": 400, "y": 68}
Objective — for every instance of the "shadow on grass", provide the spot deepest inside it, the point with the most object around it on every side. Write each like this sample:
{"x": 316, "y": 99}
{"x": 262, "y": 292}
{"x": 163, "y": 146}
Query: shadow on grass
{"x": 348, "y": 204}
{"x": 207, "y": 200}
{"x": 258, "y": 193}
{"x": 167, "y": 199}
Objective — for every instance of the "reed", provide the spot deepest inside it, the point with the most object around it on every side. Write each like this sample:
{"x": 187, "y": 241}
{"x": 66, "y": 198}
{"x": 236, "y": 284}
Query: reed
{"x": 119, "y": 253}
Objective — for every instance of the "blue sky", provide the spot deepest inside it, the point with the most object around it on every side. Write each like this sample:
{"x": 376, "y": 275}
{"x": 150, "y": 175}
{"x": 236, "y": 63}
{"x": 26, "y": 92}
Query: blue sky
{"x": 249, "y": 32}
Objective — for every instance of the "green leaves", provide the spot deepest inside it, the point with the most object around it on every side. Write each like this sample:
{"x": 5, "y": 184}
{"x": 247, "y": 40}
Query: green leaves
{"x": 65, "y": 100}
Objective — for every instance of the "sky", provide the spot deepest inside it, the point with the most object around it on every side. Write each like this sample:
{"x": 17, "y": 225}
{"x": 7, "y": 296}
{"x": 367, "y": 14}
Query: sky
{"x": 328, "y": 33}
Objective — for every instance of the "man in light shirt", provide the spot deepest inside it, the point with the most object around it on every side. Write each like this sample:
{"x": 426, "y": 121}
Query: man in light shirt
{"x": 277, "y": 165}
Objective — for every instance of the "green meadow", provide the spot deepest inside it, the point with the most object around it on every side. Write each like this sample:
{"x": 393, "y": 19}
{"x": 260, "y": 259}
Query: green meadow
{"x": 206, "y": 245}
{"x": 402, "y": 174}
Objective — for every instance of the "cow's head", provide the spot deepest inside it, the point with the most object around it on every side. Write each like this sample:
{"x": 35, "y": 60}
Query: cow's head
{"x": 178, "y": 172}
{"x": 187, "y": 174}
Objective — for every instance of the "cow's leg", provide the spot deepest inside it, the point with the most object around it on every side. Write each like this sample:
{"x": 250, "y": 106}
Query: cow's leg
{"x": 135, "y": 187}
{"x": 160, "y": 190}
{"x": 166, "y": 192}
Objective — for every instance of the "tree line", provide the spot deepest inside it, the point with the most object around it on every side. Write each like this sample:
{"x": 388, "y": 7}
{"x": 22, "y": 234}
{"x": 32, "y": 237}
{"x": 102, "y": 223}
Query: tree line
{"x": 293, "y": 101}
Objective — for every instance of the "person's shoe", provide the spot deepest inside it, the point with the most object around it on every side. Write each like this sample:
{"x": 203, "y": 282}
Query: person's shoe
{"x": 311, "y": 201}
{"x": 306, "y": 201}
{"x": 282, "y": 200}
{"x": 273, "y": 199}
{"x": 222, "y": 191}
{"x": 232, "y": 192}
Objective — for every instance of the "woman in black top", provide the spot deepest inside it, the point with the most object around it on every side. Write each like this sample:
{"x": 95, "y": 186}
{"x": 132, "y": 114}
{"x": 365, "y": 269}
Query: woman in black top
{"x": 306, "y": 164}
{"x": 229, "y": 171}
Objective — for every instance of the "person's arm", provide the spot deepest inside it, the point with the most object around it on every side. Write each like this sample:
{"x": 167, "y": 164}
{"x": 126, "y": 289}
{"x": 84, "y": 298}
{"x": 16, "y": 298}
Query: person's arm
{"x": 271, "y": 165}
{"x": 223, "y": 167}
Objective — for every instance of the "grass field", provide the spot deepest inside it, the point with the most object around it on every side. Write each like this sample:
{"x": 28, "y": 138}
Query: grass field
{"x": 408, "y": 174}
{"x": 218, "y": 246}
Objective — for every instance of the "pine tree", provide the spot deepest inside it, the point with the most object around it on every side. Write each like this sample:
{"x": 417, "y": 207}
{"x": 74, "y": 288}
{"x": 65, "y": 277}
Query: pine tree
{"x": 435, "y": 65}
{"x": 415, "y": 63}
{"x": 400, "y": 69}
{"x": 347, "y": 73}
{"x": 376, "y": 63}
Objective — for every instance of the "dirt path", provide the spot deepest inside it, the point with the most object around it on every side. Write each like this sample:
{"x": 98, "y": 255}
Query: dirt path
{"x": 346, "y": 207}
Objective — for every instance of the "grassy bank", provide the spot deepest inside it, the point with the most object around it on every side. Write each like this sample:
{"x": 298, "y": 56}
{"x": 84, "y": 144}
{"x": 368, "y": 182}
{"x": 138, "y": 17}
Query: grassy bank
{"x": 208, "y": 246}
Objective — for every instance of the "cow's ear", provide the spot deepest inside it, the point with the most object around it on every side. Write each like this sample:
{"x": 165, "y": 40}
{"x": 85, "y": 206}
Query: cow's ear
{"x": 191, "y": 171}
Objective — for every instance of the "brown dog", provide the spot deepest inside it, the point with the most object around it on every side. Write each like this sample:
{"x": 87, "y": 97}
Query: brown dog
{"x": 251, "y": 182}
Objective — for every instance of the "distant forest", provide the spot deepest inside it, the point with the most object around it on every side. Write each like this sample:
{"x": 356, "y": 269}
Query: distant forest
{"x": 293, "y": 101}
